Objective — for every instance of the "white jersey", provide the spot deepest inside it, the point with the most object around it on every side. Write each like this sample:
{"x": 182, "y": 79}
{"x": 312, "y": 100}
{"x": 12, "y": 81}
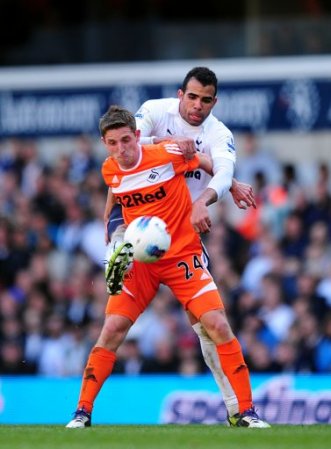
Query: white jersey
{"x": 161, "y": 118}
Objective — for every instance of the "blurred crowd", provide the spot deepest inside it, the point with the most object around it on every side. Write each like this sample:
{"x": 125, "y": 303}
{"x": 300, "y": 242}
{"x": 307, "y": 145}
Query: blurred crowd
{"x": 272, "y": 265}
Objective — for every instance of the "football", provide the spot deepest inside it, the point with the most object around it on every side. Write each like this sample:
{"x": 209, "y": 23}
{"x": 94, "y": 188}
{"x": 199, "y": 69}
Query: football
{"x": 149, "y": 237}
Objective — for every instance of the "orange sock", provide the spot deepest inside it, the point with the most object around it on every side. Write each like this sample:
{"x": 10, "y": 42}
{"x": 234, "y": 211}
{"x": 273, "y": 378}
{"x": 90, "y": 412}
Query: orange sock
{"x": 234, "y": 367}
{"x": 99, "y": 366}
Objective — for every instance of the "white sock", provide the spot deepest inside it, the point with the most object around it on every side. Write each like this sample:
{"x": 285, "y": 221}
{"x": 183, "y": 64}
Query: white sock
{"x": 117, "y": 238}
{"x": 211, "y": 358}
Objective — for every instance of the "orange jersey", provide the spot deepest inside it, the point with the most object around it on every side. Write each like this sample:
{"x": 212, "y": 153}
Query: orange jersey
{"x": 156, "y": 186}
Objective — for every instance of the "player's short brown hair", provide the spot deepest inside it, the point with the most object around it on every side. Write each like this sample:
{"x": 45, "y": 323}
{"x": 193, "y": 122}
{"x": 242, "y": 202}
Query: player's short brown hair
{"x": 116, "y": 117}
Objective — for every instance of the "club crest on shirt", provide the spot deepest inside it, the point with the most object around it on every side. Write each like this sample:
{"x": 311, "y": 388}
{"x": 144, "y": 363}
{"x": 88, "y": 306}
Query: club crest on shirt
{"x": 141, "y": 112}
{"x": 230, "y": 145}
{"x": 153, "y": 176}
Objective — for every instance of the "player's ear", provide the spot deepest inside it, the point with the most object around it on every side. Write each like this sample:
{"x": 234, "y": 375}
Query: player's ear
{"x": 137, "y": 133}
{"x": 180, "y": 93}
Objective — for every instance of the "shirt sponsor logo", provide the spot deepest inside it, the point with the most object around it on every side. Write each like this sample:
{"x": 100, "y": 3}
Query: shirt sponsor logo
{"x": 196, "y": 174}
{"x": 136, "y": 199}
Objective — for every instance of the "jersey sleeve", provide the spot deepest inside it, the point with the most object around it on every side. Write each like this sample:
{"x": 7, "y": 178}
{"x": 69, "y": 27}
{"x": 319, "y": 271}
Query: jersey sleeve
{"x": 222, "y": 179}
{"x": 223, "y": 154}
{"x": 107, "y": 172}
{"x": 145, "y": 121}
{"x": 222, "y": 145}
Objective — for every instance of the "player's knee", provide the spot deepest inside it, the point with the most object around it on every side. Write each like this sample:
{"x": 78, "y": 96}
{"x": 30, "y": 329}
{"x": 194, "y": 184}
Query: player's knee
{"x": 217, "y": 325}
{"x": 114, "y": 331}
{"x": 201, "y": 332}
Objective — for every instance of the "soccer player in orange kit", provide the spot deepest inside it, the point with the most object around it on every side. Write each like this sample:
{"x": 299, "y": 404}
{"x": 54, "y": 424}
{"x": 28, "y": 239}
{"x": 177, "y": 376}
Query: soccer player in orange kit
{"x": 149, "y": 182}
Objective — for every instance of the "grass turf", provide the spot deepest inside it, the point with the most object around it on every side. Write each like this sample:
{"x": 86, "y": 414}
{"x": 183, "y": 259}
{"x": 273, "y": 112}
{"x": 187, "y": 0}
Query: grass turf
{"x": 164, "y": 437}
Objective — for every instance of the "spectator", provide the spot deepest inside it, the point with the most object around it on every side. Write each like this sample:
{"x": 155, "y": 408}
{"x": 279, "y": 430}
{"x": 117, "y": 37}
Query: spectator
{"x": 259, "y": 359}
{"x": 294, "y": 240}
{"x": 285, "y": 357}
{"x": 262, "y": 261}
{"x": 275, "y": 314}
{"x": 307, "y": 296}
{"x": 33, "y": 341}
{"x": 323, "y": 348}
{"x": 255, "y": 159}
{"x": 12, "y": 359}
{"x": 309, "y": 336}
{"x": 52, "y": 358}
{"x": 82, "y": 160}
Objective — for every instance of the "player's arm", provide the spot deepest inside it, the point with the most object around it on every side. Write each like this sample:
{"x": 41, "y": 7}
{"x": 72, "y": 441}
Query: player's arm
{"x": 205, "y": 163}
{"x": 223, "y": 147}
{"x": 242, "y": 193}
{"x": 185, "y": 144}
{"x": 220, "y": 184}
{"x": 145, "y": 118}
{"x": 108, "y": 207}
{"x": 200, "y": 217}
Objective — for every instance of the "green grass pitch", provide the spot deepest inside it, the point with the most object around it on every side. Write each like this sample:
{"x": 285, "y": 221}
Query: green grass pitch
{"x": 164, "y": 437}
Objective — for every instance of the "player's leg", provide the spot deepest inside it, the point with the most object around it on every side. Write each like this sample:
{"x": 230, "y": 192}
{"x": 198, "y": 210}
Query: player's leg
{"x": 211, "y": 359}
{"x": 119, "y": 254}
{"x": 210, "y": 355}
{"x": 193, "y": 285}
{"x": 121, "y": 312}
{"x": 99, "y": 367}
{"x": 233, "y": 364}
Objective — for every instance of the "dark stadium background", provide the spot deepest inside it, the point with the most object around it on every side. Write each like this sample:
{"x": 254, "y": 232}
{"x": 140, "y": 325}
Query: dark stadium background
{"x": 66, "y": 32}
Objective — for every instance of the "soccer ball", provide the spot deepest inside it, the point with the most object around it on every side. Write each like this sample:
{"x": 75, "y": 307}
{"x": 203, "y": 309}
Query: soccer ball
{"x": 149, "y": 237}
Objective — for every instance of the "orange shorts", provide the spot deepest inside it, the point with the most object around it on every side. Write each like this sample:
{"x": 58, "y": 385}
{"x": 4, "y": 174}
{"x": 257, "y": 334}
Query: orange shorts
{"x": 187, "y": 277}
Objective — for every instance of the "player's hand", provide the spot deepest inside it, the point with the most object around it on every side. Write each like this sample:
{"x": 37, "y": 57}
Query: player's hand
{"x": 200, "y": 218}
{"x": 242, "y": 195}
{"x": 186, "y": 146}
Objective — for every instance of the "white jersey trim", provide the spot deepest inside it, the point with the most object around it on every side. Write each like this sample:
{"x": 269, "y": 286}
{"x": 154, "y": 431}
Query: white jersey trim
{"x": 145, "y": 178}
{"x": 207, "y": 288}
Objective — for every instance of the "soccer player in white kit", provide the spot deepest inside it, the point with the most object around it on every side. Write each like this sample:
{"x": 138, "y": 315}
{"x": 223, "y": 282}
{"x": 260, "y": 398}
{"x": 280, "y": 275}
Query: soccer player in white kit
{"x": 189, "y": 121}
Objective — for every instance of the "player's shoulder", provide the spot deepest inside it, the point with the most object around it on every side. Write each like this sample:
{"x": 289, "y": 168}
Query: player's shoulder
{"x": 108, "y": 160}
{"x": 107, "y": 164}
{"x": 164, "y": 147}
{"x": 214, "y": 125}
{"x": 155, "y": 106}
{"x": 172, "y": 147}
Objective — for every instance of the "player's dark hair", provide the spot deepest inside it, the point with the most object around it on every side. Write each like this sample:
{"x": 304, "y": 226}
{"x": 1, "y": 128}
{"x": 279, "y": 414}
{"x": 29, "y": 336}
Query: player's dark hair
{"x": 116, "y": 117}
{"x": 205, "y": 76}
